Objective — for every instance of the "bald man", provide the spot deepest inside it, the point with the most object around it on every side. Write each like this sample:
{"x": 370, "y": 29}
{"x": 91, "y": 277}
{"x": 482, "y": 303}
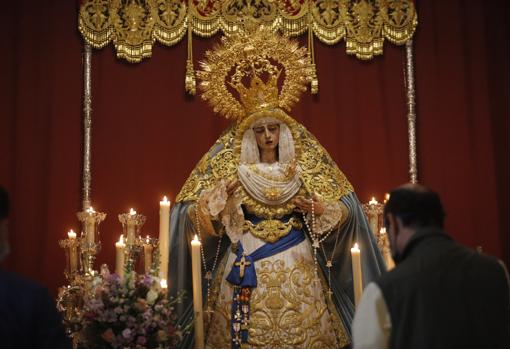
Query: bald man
{"x": 440, "y": 294}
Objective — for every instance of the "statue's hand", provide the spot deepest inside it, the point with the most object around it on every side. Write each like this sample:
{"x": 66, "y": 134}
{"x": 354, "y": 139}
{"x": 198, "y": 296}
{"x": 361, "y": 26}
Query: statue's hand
{"x": 305, "y": 205}
{"x": 232, "y": 186}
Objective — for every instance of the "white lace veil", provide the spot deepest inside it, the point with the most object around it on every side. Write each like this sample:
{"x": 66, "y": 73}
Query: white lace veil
{"x": 250, "y": 151}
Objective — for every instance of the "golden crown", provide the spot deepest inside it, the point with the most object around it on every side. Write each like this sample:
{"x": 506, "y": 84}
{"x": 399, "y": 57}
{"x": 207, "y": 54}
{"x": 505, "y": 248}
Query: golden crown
{"x": 250, "y": 63}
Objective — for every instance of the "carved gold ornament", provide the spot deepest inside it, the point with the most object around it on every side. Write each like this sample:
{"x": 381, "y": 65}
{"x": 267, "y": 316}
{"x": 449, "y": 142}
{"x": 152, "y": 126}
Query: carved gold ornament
{"x": 134, "y": 25}
{"x": 272, "y": 230}
{"x": 251, "y": 62}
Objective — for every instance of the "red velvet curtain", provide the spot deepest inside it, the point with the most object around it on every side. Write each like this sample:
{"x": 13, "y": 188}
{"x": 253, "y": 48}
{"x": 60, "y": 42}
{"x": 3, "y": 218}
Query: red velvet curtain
{"x": 148, "y": 134}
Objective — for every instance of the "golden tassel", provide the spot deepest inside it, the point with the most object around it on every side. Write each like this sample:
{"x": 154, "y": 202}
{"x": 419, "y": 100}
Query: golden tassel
{"x": 190, "y": 83}
{"x": 314, "y": 84}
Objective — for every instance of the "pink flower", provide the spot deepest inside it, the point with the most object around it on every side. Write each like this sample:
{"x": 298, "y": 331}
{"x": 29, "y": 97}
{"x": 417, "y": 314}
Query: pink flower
{"x": 126, "y": 333}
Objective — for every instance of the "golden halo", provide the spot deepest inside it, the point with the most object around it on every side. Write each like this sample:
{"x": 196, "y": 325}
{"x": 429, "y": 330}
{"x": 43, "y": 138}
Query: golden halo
{"x": 254, "y": 55}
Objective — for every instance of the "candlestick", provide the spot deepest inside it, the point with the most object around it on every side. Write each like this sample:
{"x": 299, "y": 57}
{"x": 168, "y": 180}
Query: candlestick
{"x": 132, "y": 223}
{"x": 373, "y": 209}
{"x": 120, "y": 256}
{"x": 383, "y": 243}
{"x": 164, "y": 235}
{"x": 89, "y": 247}
{"x": 73, "y": 252}
{"x": 147, "y": 254}
{"x": 357, "y": 278}
{"x": 197, "y": 293}
{"x": 131, "y": 227}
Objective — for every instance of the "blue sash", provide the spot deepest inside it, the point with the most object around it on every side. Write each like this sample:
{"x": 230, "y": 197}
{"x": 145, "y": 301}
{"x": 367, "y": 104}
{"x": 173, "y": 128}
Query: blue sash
{"x": 244, "y": 278}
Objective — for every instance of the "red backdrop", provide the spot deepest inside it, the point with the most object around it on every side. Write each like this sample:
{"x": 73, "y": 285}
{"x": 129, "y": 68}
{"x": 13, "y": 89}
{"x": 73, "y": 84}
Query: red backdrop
{"x": 148, "y": 134}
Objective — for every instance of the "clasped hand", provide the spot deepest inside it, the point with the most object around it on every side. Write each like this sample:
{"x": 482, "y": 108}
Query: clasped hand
{"x": 305, "y": 205}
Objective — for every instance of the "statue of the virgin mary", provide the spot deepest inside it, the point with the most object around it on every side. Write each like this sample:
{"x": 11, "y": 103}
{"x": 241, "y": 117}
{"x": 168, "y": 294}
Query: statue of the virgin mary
{"x": 275, "y": 215}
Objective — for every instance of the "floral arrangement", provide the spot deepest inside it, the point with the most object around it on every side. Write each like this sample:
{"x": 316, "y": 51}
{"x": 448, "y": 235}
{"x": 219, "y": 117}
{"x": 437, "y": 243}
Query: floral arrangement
{"x": 133, "y": 312}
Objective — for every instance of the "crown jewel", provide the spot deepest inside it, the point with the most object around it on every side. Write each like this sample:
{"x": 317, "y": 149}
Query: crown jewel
{"x": 251, "y": 63}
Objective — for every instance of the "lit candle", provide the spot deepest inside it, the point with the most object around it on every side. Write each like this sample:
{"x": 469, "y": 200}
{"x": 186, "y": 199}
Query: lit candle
{"x": 386, "y": 197}
{"x": 164, "y": 236}
{"x": 373, "y": 217}
{"x": 90, "y": 225}
{"x": 120, "y": 256}
{"x": 197, "y": 293}
{"x": 131, "y": 227}
{"x": 163, "y": 284}
{"x": 356, "y": 273}
{"x": 73, "y": 252}
{"x": 147, "y": 253}
{"x": 388, "y": 259}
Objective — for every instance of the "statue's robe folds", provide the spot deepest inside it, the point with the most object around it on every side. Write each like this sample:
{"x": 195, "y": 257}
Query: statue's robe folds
{"x": 290, "y": 307}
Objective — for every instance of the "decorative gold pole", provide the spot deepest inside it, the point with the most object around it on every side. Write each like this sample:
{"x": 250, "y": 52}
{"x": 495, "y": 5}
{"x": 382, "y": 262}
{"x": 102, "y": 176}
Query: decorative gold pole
{"x": 190, "y": 81}
{"x": 87, "y": 124}
{"x": 314, "y": 84}
{"x": 411, "y": 112}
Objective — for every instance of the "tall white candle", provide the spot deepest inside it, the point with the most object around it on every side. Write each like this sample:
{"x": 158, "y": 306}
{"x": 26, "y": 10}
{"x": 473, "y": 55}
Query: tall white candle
{"x": 197, "y": 293}
{"x": 164, "y": 236}
{"x": 147, "y": 254}
{"x": 73, "y": 252}
{"x": 357, "y": 277}
{"x": 90, "y": 225}
{"x": 131, "y": 227}
{"x": 120, "y": 256}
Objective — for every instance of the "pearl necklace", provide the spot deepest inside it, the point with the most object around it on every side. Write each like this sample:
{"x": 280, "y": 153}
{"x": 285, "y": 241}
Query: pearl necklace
{"x": 317, "y": 243}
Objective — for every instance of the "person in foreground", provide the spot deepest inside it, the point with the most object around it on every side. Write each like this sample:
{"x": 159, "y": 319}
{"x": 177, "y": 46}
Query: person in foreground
{"x": 28, "y": 317}
{"x": 441, "y": 294}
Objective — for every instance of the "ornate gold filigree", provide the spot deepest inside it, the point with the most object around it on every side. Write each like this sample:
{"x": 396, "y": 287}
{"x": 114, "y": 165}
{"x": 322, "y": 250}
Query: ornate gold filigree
{"x": 318, "y": 172}
{"x": 266, "y": 211}
{"x": 287, "y": 311}
{"x": 272, "y": 230}
{"x": 134, "y": 25}
{"x": 255, "y": 56}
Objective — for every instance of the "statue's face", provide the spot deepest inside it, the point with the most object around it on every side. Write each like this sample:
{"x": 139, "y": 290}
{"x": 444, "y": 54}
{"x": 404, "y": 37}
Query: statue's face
{"x": 267, "y": 136}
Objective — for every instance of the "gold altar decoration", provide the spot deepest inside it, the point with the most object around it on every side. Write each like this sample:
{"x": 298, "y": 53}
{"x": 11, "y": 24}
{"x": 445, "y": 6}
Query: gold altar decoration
{"x": 253, "y": 54}
{"x": 257, "y": 59}
{"x": 135, "y": 25}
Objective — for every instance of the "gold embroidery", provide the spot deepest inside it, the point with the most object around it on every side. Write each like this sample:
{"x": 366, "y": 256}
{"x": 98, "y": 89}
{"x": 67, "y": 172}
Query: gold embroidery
{"x": 272, "y": 193}
{"x": 272, "y": 230}
{"x": 289, "y": 172}
{"x": 318, "y": 172}
{"x": 265, "y": 211}
{"x": 287, "y": 310}
{"x": 363, "y": 24}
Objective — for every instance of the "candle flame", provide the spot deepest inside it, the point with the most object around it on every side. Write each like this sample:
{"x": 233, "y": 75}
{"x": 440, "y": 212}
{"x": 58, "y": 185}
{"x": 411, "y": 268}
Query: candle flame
{"x": 148, "y": 239}
{"x": 382, "y": 230}
{"x": 121, "y": 239}
{"x": 163, "y": 283}
{"x": 71, "y": 234}
{"x": 132, "y": 212}
{"x": 165, "y": 201}
{"x": 387, "y": 196}
{"x": 373, "y": 201}
{"x": 90, "y": 210}
{"x": 355, "y": 247}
